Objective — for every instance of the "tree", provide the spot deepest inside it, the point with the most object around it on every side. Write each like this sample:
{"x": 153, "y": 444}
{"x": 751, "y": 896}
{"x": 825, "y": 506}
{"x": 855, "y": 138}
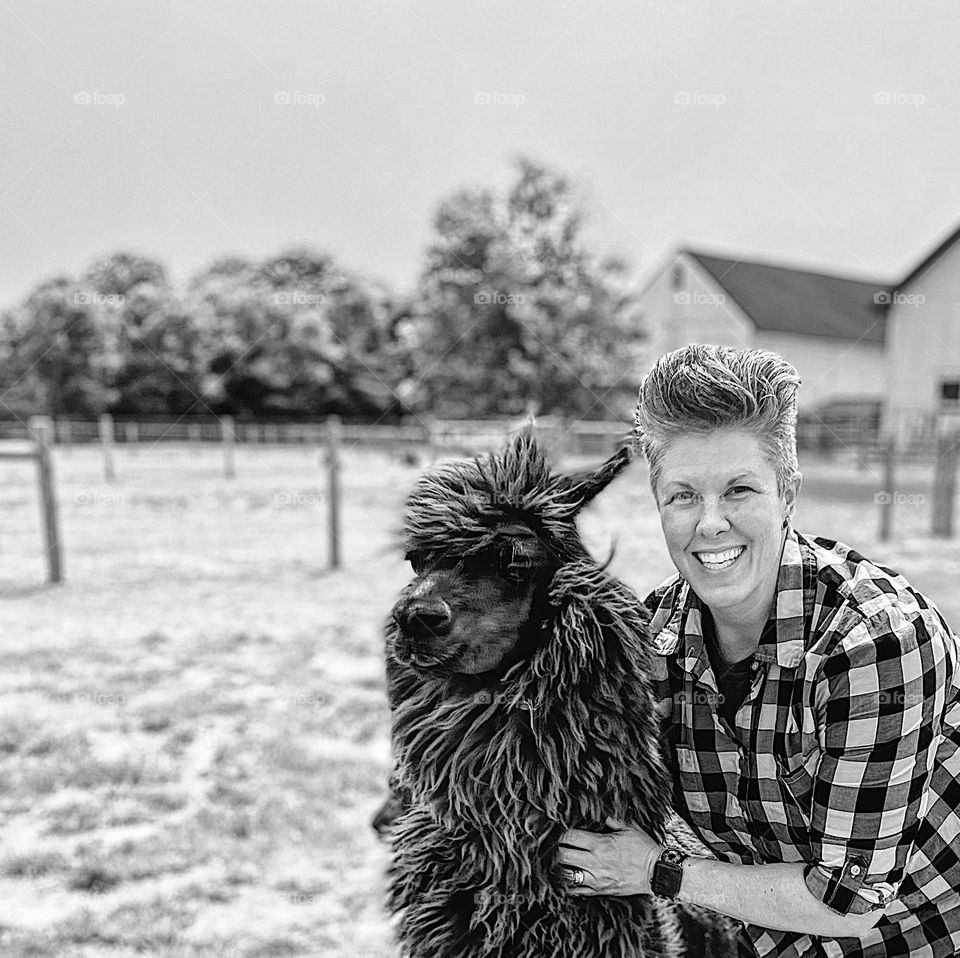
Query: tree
{"x": 294, "y": 335}
{"x": 513, "y": 313}
{"x": 155, "y": 359}
{"x": 56, "y": 350}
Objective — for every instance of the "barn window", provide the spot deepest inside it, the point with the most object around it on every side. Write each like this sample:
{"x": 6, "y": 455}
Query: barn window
{"x": 950, "y": 392}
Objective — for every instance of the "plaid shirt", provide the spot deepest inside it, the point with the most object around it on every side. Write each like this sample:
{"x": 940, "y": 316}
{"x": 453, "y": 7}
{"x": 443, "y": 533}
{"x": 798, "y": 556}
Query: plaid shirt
{"x": 845, "y": 753}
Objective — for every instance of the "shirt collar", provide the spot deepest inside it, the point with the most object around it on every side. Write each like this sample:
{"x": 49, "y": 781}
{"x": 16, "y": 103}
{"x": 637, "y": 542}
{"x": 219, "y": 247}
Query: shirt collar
{"x": 782, "y": 639}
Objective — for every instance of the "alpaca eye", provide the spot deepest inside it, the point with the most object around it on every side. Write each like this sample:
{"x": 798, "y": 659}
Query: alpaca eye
{"x": 515, "y": 567}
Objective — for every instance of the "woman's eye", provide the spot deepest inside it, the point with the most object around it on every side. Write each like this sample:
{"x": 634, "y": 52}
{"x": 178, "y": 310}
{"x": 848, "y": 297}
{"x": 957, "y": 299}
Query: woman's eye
{"x": 739, "y": 491}
{"x": 684, "y": 496}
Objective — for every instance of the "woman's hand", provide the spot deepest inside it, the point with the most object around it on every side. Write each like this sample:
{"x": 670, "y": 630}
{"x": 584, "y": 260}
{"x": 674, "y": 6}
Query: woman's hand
{"x": 613, "y": 863}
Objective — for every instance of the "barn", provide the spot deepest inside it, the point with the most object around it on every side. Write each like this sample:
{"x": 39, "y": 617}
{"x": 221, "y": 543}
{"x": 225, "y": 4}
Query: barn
{"x": 860, "y": 345}
{"x": 832, "y": 328}
{"x": 923, "y": 344}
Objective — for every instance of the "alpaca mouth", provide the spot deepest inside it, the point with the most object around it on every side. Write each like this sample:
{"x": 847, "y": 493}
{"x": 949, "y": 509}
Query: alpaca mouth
{"x": 406, "y": 654}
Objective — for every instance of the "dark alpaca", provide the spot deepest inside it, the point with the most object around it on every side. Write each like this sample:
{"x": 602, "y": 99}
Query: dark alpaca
{"x": 517, "y": 673}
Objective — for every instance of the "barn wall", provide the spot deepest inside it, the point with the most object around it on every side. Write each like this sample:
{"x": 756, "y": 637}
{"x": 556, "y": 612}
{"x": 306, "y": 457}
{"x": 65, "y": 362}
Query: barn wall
{"x": 697, "y": 311}
{"x": 830, "y": 368}
{"x": 923, "y": 338}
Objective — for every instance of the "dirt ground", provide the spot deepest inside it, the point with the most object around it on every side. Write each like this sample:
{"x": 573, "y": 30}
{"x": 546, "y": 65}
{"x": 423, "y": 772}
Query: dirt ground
{"x": 193, "y": 731}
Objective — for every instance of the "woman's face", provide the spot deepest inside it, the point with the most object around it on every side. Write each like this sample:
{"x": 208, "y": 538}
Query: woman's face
{"x": 722, "y": 518}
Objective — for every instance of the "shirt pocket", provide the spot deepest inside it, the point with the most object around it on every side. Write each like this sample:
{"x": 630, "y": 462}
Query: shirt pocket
{"x": 795, "y": 778}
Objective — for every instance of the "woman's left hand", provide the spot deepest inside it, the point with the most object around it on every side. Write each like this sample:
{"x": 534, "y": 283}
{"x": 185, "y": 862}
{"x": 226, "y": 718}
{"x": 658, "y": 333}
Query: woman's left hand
{"x": 613, "y": 863}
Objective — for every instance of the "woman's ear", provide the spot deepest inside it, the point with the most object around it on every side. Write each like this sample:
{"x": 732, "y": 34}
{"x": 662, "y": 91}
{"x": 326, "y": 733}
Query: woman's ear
{"x": 790, "y": 493}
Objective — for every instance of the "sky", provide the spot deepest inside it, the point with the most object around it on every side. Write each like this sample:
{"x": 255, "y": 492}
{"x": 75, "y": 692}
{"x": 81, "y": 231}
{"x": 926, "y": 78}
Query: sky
{"x": 822, "y": 134}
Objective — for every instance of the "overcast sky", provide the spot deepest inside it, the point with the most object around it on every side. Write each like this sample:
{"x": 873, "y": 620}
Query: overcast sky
{"x": 819, "y": 133}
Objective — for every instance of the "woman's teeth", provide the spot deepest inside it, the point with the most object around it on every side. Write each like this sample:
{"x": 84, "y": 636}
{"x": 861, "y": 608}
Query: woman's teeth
{"x": 720, "y": 560}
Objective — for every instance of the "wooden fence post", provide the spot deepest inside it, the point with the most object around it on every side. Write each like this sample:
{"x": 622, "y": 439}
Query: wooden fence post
{"x": 945, "y": 484}
{"x": 886, "y": 495}
{"x": 333, "y": 486}
{"x": 41, "y": 431}
{"x": 131, "y": 436}
{"x": 106, "y": 444}
{"x": 63, "y": 435}
{"x": 228, "y": 436}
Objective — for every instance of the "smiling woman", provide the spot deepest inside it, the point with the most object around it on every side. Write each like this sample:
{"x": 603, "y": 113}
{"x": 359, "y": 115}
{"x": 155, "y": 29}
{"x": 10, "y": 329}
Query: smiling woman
{"x": 810, "y": 698}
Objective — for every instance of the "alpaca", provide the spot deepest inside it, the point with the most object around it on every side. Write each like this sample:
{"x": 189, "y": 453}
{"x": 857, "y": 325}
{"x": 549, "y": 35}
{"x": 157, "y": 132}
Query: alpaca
{"x": 518, "y": 680}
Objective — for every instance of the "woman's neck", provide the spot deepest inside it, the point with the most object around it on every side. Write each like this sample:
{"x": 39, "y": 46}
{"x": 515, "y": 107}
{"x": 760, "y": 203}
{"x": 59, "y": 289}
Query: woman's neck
{"x": 738, "y": 628}
{"x": 737, "y": 641}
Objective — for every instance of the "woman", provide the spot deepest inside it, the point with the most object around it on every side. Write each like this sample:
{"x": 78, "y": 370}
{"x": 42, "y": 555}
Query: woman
{"x": 811, "y": 697}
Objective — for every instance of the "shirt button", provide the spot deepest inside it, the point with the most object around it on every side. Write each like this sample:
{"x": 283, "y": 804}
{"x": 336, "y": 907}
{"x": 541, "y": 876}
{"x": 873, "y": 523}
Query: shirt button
{"x": 755, "y": 665}
{"x": 854, "y": 869}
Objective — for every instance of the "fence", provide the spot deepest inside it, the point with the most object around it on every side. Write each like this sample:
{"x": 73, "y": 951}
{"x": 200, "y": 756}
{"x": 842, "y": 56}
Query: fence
{"x": 437, "y": 437}
{"x": 37, "y": 450}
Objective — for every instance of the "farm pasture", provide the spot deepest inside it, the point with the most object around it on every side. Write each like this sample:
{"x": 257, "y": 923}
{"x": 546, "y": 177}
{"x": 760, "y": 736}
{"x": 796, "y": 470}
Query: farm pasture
{"x": 193, "y": 731}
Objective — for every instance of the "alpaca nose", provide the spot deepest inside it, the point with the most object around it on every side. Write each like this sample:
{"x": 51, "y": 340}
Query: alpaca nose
{"x": 422, "y": 620}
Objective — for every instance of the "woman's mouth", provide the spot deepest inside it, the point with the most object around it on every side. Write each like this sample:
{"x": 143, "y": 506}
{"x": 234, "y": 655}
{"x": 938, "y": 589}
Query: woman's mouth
{"x": 719, "y": 561}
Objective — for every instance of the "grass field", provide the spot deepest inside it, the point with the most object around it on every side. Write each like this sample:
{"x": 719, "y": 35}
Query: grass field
{"x": 193, "y": 732}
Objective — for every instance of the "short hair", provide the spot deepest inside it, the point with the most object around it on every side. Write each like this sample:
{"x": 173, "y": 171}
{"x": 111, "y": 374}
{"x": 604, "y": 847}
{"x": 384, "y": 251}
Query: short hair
{"x": 699, "y": 388}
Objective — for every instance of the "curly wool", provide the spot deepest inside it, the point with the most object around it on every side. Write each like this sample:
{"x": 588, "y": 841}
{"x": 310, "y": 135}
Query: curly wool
{"x": 565, "y": 739}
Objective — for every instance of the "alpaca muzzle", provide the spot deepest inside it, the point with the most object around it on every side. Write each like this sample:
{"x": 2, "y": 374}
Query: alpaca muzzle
{"x": 420, "y": 621}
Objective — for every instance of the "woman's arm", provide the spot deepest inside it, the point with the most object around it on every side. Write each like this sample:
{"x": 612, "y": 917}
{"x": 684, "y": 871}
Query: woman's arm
{"x": 771, "y": 896}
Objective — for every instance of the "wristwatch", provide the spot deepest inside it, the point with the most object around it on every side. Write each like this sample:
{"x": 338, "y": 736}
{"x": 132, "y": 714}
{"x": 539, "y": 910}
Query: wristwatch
{"x": 668, "y": 873}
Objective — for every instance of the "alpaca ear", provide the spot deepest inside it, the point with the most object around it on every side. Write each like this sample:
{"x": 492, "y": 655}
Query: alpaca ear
{"x": 581, "y": 487}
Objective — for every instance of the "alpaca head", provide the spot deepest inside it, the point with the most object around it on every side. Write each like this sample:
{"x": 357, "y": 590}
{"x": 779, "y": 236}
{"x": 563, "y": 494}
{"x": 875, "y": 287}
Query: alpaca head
{"x": 485, "y": 537}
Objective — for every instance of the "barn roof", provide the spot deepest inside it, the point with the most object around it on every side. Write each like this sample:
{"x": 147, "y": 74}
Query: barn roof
{"x": 931, "y": 257}
{"x": 787, "y": 300}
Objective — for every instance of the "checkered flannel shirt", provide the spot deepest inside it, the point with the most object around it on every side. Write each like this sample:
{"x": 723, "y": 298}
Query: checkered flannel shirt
{"x": 845, "y": 753}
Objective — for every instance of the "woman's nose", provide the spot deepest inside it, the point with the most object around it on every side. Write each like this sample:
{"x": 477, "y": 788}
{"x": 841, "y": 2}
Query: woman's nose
{"x": 712, "y": 519}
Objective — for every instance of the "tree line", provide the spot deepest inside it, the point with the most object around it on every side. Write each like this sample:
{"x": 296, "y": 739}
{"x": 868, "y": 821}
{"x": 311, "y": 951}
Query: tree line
{"x": 511, "y": 314}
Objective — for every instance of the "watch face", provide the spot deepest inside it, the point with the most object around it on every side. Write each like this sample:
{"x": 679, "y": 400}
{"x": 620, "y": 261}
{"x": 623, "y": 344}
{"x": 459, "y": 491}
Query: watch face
{"x": 667, "y": 874}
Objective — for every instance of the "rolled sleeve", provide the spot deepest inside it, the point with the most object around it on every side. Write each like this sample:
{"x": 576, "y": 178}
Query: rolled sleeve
{"x": 881, "y": 697}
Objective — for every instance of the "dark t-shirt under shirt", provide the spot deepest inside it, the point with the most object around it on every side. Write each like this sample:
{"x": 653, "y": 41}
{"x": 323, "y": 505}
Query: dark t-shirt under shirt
{"x": 733, "y": 680}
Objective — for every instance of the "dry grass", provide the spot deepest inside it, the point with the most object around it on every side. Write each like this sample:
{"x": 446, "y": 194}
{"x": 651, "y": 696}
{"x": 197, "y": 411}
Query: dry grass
{"x": 193, "y": 733}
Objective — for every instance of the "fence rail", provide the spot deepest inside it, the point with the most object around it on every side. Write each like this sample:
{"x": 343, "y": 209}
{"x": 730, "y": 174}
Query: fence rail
{"x": 463, "y": 435}
{"x": 918, "y": 439}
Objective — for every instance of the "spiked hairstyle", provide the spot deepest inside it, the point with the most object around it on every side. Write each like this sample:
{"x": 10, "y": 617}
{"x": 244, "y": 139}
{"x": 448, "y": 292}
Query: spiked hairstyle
{"x": 699, "y": 388}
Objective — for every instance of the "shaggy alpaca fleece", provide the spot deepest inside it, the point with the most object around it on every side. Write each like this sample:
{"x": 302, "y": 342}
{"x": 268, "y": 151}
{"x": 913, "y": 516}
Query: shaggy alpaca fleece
{"x": 494, "y": 775}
